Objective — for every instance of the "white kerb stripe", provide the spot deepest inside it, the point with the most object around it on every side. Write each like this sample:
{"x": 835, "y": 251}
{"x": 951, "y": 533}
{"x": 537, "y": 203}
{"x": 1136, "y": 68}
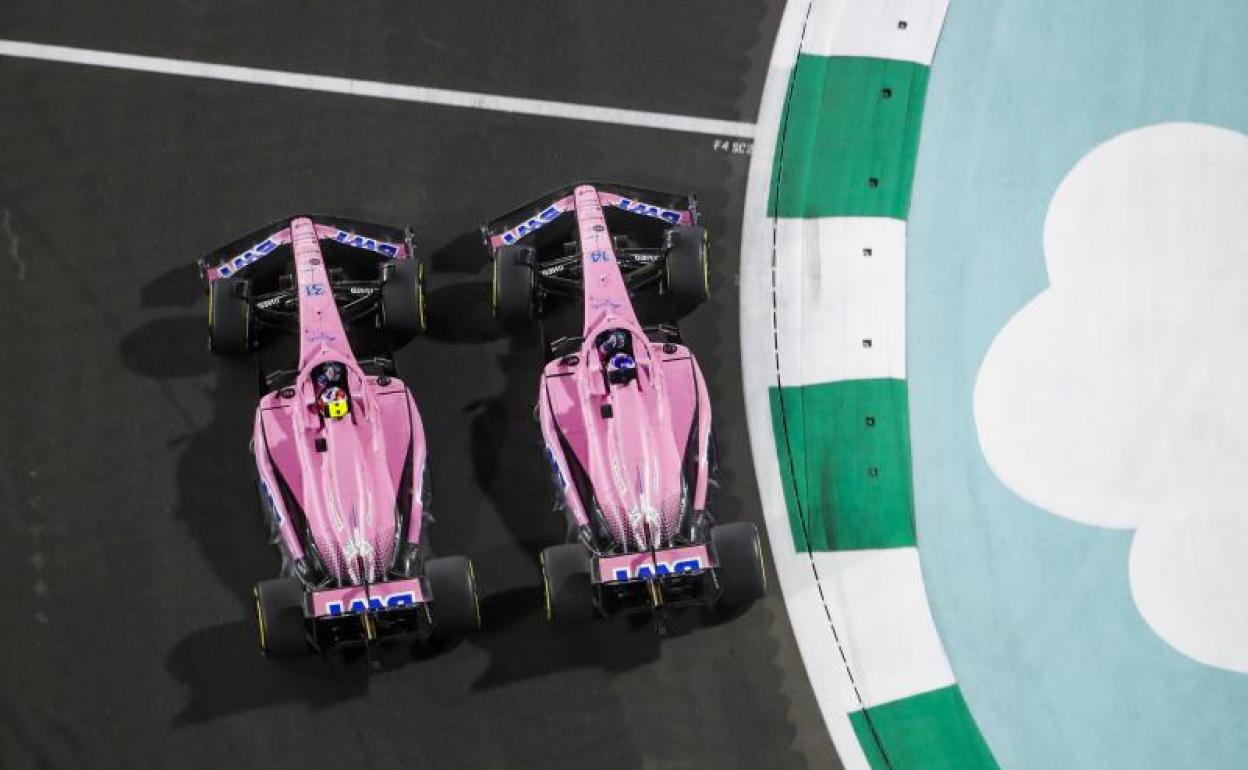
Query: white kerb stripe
{"x": 841, "y": 299}
{"x": 890, "y": 638}
{"x": 374, "y": 89}
{"x": 834, "y": 692}
{"x": 876, "y": 635}
{"x": 828, "y": 676}
{"x": 882, "y": 29}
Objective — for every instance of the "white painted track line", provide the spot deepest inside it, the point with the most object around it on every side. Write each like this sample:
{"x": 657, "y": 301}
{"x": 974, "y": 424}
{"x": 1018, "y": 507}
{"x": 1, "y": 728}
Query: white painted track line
{"x": 374, "y": 89}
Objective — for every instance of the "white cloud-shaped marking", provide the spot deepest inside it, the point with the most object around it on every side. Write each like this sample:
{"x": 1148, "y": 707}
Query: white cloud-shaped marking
{"x": 1118, "y": 397}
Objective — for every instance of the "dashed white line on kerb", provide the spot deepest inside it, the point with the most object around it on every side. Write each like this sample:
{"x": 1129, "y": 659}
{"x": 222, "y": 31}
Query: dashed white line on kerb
{"x": 373, "y": 89}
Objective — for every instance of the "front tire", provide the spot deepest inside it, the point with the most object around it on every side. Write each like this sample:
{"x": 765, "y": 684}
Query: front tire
{"x": 456, "y": 603}
{"x": 514, "y": 286}
{"x": 566, "y": 586}
{"x": 403, "y": 311}
{"x": 279, "y": 618}
{"x": 740, "y": 573}
{"x": 229, "y": 318}
{"x": 687, "y": 266}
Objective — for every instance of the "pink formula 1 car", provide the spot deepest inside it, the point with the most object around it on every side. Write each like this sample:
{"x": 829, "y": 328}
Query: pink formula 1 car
{"x": 338, "y": 443}
{"x": 623, "y": 407}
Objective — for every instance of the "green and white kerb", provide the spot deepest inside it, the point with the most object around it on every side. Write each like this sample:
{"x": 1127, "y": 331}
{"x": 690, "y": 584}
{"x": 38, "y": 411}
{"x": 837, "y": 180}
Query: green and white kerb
{"x": 823, "y": 300}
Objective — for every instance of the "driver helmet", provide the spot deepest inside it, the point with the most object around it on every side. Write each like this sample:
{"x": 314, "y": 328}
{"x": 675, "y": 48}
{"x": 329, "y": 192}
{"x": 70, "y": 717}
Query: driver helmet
{"x": 329, "y": 374}
{"x": 621, "y": 362}
{"x": 334, "y": 403}
{"x": 621, "y": 368}
{"x": 612, "y": 342}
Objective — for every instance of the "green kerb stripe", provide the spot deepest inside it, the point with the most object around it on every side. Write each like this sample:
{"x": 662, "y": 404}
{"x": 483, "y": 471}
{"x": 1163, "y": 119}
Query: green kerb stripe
{"x": 931, "y": 731}
{"x": 848, "y": 121}
{"x": 846, "y": 458}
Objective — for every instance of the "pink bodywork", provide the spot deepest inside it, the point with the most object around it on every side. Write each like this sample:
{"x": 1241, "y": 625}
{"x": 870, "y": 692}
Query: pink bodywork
{"x": 348, "y": 488}
{"x": 635, "y": 457}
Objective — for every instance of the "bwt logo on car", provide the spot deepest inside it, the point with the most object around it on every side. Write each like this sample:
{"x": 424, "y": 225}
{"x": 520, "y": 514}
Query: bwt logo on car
{"x": 270, "y": 504}
{"x": 547, "y": 216}
{"x": 247, "y": 257}
{"x": 554, "y": 466}
{"x": 661, "y": 569}
{"x": 368, "y": 244}
{"x": 401, "y": 599}
{"x": 646, "y": 209}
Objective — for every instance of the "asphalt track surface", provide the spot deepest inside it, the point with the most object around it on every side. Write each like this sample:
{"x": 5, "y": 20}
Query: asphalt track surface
{"x": 130, "y": 532}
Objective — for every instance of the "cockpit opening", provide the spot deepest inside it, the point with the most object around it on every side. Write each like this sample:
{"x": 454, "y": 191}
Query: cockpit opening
{"x": 333, "y": 400}
{"x": 615, "y": 350}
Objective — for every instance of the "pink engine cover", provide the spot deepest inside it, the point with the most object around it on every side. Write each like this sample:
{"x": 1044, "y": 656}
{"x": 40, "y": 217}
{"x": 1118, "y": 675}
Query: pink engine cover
{"x": 344, "y": 474}
{"x": 631, "y": 439}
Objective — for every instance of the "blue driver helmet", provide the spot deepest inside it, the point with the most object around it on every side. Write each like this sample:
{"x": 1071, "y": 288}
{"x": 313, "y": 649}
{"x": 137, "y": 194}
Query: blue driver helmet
{"x": 622, "y": 368}
{"x": 329, "y": 374}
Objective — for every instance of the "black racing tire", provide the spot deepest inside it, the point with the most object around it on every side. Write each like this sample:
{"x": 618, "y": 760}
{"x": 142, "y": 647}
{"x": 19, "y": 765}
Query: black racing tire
{"x": 515, "y": 289}
{"x": 456, "y": 603}
{"x": 686, "y": 276}
{"x": 740, "y": 573}
{"x": 403, "y": 304}
{"x": 229, "y": 318}
{"x": 566, "y": 586}
{"x": 279, "y": 618}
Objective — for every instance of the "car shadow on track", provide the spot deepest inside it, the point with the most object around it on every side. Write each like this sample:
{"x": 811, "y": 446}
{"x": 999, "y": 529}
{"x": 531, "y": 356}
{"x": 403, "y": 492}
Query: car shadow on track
{"x": 524, "y": 645}
{"x": 216, "y": 498}
{"x": 216, "y": 502}
{"x": 227, "y": 675}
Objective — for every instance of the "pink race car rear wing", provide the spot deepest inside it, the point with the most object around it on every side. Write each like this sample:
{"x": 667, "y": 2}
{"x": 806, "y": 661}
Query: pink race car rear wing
{"x": 373, "y": 597}
{"x": 645, "y": 565}
{"x": 264, "y": 242}
{"x": 524, "y": 222}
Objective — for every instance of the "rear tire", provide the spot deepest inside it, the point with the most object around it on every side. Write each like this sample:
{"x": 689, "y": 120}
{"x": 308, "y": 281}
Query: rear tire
{"x": 403, "y": 310}
{"x": 739, "y": 553}
{"x": 687, "y": 270}
{"x": 514, "y": 287}
{"x": 279, "y": 618}
{"x": 229, "y": 318}
{"x": 566, "y": 586}
{"x": 456, "y": 604}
